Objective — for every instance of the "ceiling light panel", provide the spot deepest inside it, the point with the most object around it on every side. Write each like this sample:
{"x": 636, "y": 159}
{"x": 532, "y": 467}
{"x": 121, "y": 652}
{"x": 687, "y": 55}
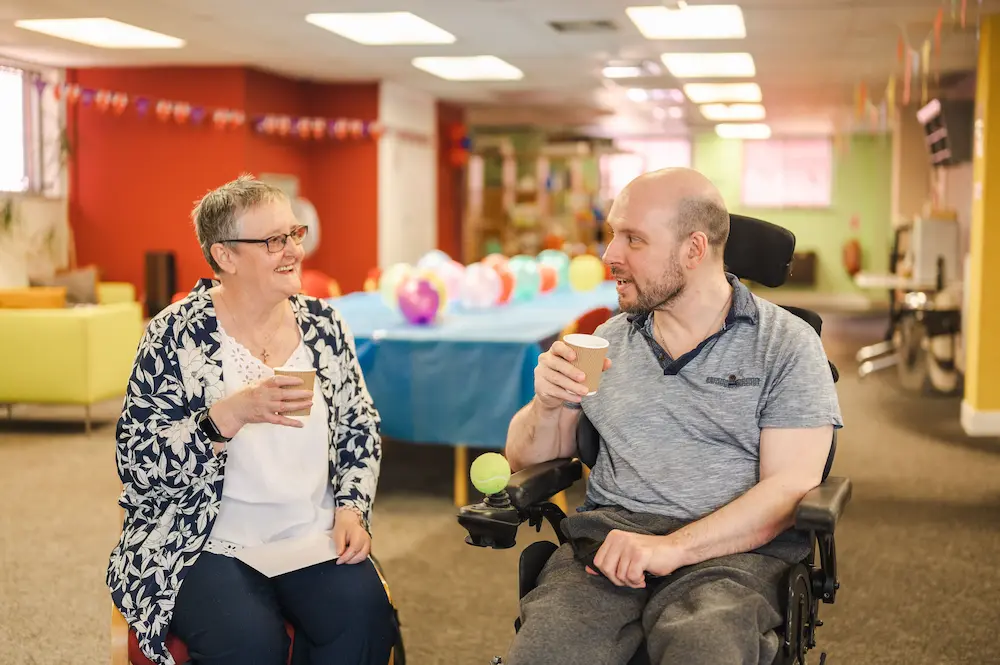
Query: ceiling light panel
{"x": 733, "y": 112}
{"x": 689, "y": 22}
{"x": 743, "y": 131}
{"x": 714, "y": 93}
{"x": 469, "y": 68}
{"x": 101, "y": 32}
{"x": 382, "y": 28}
{"x": 709, "y": 65}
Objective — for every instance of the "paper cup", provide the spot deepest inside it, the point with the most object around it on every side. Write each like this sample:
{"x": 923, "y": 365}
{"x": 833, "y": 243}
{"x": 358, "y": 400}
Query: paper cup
{"x": 308, "y": 377}
{"x": 590, "y": 353}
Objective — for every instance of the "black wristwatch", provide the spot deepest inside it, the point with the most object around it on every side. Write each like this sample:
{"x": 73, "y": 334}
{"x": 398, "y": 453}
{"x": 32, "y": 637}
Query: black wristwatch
{"x": 211, "y": 430}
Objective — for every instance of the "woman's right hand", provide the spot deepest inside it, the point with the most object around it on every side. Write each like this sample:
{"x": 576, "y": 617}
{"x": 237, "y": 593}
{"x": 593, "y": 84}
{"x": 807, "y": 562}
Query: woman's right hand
{"x": 557, "y": 380}
{"x": 263, "y": 401}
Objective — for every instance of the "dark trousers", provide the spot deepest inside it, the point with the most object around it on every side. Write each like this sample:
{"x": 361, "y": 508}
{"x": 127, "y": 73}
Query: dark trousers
{"x": 229, "y": 614}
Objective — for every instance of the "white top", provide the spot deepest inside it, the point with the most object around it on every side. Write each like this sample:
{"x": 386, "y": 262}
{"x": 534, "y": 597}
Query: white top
{"x": 277, "y": 478}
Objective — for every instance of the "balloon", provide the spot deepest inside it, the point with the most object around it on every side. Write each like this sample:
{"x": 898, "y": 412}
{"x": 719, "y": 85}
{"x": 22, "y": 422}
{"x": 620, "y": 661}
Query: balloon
{"x": 506, "y": 283}
{"x": 526, "y": 278}
{"x": 549, "y": 277}
{"x": 481, "y": 286}
{"x": 390, "y": 280}
{"x": 418, "y": 300}
{"x": 450, "y": 274}
{"x": 494, "y": 260}
{"x": 432, "y": 259}
{"x": 438, "y": 285}
{"x": 558, "y": 260}
{"x": 586, "y": 272}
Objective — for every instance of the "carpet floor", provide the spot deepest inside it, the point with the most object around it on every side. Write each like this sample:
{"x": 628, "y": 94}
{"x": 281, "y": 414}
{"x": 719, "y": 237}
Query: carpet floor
{"x": 917, "y": 548}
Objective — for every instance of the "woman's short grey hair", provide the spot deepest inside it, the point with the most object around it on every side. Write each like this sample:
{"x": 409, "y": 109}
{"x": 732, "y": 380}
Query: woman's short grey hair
{"x": 215, "y": 215}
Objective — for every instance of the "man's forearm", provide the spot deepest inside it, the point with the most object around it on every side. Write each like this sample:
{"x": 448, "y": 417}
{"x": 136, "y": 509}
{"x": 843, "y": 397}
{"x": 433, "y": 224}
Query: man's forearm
{"x": 533, "y": 436}
{"x": 743, "y": 525}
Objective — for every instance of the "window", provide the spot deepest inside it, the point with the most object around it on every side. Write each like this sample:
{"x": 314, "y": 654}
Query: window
{"x": 792, "y": 173}
{"x": 13, "y": 134}
{"x": 640, "y": 156}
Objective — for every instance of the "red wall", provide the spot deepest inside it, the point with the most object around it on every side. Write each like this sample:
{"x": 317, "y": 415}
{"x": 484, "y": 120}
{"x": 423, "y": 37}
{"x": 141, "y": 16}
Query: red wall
{"x": 451, "y": 183}
{"x": 134, "y": 180}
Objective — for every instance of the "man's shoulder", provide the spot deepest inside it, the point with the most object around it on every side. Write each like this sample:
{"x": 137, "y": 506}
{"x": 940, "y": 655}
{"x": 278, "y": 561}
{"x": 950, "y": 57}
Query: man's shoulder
{"x": 617, "y": 326}
{"x": 778, "y": 323}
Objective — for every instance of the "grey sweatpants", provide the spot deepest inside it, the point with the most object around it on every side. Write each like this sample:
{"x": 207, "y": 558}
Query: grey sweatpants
{"x": 720, "y": 612}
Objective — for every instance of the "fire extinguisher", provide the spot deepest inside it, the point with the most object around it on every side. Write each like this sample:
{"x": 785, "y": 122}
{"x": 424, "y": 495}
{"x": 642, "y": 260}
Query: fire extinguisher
{"x": 852, "y": 257}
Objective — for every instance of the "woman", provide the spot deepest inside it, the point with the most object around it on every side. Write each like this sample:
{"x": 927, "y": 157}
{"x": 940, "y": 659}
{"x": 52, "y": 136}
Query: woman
{"x": 210, "y": 465}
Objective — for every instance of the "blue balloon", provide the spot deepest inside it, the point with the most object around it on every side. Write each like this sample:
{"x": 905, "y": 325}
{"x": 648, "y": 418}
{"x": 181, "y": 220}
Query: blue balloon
{"x": 527, "y": 279}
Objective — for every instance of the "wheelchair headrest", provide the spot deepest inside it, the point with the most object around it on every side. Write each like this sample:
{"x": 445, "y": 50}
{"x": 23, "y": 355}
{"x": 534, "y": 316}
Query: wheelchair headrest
{"x": 759, "y": 251}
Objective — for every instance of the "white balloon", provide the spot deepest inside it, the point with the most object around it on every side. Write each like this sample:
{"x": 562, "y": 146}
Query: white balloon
{"x": 481, "y": 286}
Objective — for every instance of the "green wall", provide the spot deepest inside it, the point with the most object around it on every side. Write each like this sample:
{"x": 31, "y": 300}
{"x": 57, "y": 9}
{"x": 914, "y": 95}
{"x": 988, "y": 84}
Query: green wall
{"x": 862, "y": 186}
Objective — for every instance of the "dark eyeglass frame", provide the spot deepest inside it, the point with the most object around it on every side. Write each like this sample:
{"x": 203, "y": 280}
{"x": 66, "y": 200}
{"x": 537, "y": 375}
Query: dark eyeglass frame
{"x": 276, "y": 243}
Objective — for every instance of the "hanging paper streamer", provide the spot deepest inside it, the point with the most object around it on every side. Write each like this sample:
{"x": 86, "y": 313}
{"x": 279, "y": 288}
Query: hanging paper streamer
{"x": 142, "y": 106}
{"x": 119, "y": 102}
{"x": 925, "y": 56}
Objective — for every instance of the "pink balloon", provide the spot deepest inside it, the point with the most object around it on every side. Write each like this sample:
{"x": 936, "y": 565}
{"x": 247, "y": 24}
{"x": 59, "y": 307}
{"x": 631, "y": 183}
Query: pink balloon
{"x": 418, "y": 300}
{"x": 481, "y": 286}
{"x": 451, "y": 273}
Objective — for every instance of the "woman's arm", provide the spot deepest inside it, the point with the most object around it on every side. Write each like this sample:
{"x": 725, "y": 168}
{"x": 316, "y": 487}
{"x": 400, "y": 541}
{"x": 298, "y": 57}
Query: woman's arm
{"x": 161, "y": 449}
{"x": 357, "y": 438}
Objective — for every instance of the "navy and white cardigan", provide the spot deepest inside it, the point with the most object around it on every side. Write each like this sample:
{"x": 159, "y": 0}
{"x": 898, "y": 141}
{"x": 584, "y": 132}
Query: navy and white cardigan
{"x": 172, "y": 480}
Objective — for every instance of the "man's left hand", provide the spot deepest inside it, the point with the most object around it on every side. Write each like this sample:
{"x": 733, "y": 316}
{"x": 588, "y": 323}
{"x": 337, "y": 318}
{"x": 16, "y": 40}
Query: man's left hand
{"x": 625, "y": 558}
{"x": 350, "y": 538}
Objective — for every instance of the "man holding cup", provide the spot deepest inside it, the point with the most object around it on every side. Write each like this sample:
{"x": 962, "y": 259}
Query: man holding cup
{"x": 715, "y": 410}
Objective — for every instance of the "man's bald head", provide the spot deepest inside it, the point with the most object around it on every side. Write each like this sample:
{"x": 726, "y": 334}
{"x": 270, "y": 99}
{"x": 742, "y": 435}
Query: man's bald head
{"x": 684, "y": 198}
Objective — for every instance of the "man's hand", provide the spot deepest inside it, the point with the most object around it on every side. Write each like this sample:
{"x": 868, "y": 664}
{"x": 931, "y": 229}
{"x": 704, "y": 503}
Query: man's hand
{"x": 625, "y": 558}
{"x": 557, "y": 380}
{"x": 350, "y": 538}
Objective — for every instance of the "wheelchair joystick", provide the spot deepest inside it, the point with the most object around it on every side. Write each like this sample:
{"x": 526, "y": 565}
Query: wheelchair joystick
{"x": 494, "y": 521}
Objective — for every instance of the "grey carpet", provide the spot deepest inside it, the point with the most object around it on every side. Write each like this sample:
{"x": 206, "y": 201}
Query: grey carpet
{"x": 917, "y": 548}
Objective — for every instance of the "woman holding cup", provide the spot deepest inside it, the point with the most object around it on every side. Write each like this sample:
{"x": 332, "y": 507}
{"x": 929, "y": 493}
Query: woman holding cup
{"x": 247, "y": 422}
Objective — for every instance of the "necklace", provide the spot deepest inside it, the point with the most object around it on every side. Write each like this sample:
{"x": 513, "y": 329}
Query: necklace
{"x": 264, "y": 354}
{"x": 711, "y": 327}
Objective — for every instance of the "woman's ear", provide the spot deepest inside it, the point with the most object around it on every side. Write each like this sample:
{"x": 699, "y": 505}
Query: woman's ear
{"x": 224, "y": 257}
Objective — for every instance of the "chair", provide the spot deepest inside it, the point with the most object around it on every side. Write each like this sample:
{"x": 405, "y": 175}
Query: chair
{"x": 760, "y": 252}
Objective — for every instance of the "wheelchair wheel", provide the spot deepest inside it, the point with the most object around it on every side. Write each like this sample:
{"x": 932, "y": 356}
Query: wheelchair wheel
{"x": 798, "y": 628}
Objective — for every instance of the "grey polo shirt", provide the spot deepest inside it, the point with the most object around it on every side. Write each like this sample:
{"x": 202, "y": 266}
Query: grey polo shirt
{"x": 680, "y": 437}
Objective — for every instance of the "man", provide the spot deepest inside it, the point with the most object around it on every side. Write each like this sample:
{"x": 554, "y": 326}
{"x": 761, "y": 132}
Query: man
{"x": 716, "y": 412}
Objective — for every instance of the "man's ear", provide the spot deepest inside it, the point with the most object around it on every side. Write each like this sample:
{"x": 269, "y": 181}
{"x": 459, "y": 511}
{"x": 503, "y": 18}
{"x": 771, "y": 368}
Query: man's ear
{"x": 696, "y": 250}
{"x": 223, "y": 255}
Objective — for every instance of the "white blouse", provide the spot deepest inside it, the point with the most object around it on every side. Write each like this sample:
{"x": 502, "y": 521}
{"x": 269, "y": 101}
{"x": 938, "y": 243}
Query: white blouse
{"x": 277, "y": 478}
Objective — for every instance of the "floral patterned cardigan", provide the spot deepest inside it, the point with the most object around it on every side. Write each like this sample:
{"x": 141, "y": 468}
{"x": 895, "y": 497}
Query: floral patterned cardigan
{"x": 172, "y": 480}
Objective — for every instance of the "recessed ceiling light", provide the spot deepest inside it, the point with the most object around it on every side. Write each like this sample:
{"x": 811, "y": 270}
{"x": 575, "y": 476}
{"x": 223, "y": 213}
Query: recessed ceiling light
{"x": 732, "y": 112}
{"x": 622, "y": 71}
{"x": 637, "y": 94}
{"x": 689, "y": 22}
{"x": 101, "y": 32}
{"x": 382, "y": 28}
{"x": 705, "y": 65}
{"x": 711, "y": 93}
{"x": 743, "y": 131}
{"x": 469, "y": 68}
{"x": 675, "y": 112}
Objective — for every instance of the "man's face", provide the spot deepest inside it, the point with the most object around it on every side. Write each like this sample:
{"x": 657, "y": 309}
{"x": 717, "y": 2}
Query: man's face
{"x": 644, "y": 256}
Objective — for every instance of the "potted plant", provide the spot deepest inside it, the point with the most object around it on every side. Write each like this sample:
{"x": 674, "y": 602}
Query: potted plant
{"x": 13, "y": 248}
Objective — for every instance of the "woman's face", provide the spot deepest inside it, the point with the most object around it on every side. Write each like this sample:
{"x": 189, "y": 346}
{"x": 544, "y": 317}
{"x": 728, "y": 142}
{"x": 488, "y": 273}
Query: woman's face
{"x": 253, "y": 266}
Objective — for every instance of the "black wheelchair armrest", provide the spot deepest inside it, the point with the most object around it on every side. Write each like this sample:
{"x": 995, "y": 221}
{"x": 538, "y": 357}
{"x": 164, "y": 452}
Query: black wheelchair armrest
{"x": 820, "y": 509}
{"x": 540, "y": 482}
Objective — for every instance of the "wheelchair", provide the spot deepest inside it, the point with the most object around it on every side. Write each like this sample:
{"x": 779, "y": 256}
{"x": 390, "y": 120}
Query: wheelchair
{"x": 760, "y": 252}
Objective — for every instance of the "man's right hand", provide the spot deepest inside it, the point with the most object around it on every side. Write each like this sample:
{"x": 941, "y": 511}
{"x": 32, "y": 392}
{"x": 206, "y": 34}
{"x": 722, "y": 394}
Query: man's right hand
{"x": 261, "y": 402}
{"x": 557, "y": 380}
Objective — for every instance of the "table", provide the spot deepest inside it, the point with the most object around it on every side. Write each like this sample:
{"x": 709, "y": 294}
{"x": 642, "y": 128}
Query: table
{"x": 460, "y": 380}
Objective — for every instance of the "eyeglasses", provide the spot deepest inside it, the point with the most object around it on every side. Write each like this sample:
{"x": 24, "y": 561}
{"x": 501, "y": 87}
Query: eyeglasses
{"x": 277, "y": 243}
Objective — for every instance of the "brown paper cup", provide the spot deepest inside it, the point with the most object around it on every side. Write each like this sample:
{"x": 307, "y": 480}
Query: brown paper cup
{"x": 308, "y": 377}
{"x": 590, "y": 353}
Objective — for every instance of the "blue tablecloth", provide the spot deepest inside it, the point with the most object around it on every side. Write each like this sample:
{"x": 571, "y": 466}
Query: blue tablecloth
{"x": 460, "y": 380}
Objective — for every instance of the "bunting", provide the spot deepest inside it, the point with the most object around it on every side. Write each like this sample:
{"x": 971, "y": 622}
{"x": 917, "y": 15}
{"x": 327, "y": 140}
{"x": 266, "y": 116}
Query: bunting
{"x": 118, "y": 103}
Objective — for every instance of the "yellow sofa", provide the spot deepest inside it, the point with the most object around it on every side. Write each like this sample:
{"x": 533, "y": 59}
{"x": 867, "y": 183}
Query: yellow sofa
{"x": 78, "y": 355}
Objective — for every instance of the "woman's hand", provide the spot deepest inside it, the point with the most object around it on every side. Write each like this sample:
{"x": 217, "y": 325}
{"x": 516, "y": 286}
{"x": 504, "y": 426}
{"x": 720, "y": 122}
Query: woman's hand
{"x": 350, "y": 538}
{"x": 261, "y": 402}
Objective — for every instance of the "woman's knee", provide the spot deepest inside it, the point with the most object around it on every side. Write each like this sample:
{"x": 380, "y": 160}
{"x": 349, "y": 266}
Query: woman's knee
{"x": 238, "y": 639}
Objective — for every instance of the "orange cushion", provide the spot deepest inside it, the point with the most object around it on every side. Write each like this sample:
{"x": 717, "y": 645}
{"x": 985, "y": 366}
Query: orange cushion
{"x": 178, "y": 649}
{"x": 34, "y": 297}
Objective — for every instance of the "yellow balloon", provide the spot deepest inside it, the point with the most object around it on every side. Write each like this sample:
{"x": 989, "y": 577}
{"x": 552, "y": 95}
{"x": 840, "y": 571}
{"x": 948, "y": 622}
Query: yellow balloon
{"x": 390, "y": 281}
{"x": 438, "y": 285}
{"x": 586, "y": 272}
